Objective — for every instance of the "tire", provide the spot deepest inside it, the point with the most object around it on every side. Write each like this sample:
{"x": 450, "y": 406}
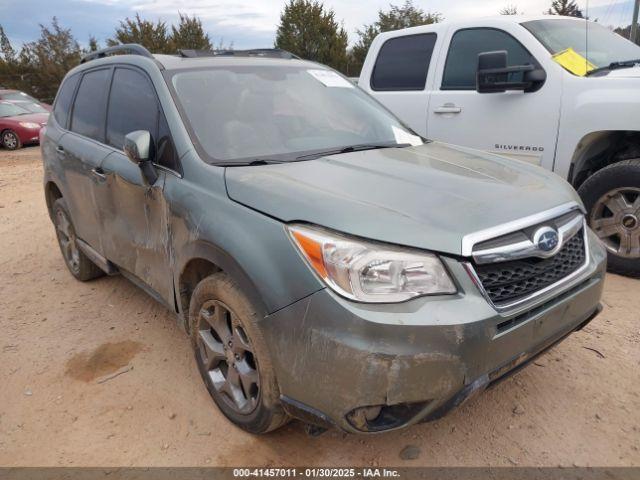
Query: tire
{"x": 77, "y": 262}
{"x": 612, "y": 199}
{"x": 10, "y": 140}
{"x": 232, "y": 356}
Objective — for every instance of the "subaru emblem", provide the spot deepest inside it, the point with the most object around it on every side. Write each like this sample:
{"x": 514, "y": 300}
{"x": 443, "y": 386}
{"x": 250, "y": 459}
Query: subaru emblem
{"x": 546, "y": 239}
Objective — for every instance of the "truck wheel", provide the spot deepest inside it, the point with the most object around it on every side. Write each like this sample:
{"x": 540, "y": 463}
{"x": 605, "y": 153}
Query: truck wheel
{"x": 612, "y": 199}
{"x": 77, "y": 262}
{"x": 232, "y": 356}
{"x": 10, "y": 140}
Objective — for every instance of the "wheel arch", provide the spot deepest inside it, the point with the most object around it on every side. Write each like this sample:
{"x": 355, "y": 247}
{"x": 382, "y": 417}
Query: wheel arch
{"x": 598, "y": 149}
{"x": 201, "y": 259}
{"x": 51, "y": 193}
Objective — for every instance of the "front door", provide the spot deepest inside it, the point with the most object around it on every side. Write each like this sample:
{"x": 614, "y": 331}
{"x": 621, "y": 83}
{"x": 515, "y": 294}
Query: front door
{"x": 132, "y": 212}
{"x": 516, "y": 124}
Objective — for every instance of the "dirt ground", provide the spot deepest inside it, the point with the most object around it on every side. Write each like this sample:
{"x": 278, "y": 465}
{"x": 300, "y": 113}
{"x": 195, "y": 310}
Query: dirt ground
{"x": 62, "y": 341}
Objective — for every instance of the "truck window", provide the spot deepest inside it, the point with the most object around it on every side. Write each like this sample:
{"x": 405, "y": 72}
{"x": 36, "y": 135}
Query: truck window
{"x": 403, "y": 63}
{"x": 89, "y": 108}
{"x": 466, "y": 45}
{"x": 64, "y": 99}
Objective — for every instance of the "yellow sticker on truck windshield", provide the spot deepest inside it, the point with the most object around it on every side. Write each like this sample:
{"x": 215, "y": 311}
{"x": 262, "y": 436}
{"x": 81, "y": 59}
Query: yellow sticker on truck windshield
{"x": 574, "y": 62}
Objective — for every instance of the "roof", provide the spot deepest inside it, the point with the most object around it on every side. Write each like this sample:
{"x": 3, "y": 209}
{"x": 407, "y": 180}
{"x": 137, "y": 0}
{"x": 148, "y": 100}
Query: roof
{"x": 174, "y": 62}
{"x": 480, "y": 21}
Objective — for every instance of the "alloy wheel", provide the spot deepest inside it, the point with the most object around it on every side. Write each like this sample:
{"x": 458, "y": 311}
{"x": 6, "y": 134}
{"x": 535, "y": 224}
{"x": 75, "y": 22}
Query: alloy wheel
{"x": 67, "y": 239}
{"x": 227, "y": 357}
{"x": 9, "y": 140}
{"x": 615, "y": 218}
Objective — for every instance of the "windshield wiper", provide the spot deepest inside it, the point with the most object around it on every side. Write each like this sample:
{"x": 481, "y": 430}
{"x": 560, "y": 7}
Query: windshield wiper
{"x": 352, "y": 148}
{"x": 616, "y": 66}
{"x": 251, "y": 163}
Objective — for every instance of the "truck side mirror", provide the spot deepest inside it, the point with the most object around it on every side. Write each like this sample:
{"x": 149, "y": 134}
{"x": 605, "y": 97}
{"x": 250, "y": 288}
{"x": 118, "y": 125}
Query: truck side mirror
{"x": 137, "y": 147}
{"x": 493, "y": 75}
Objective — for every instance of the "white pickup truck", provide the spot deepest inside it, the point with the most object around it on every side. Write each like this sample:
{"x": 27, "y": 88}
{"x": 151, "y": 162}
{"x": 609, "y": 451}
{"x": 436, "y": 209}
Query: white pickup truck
{"x": 497, "y": 85}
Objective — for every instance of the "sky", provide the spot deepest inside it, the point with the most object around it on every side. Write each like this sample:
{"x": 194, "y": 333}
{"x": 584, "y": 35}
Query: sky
{"x": 251, "y": 24}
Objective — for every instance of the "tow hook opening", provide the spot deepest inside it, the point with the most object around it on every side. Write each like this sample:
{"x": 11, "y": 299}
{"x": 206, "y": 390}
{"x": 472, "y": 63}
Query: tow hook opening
{"x": 377, "y": 418}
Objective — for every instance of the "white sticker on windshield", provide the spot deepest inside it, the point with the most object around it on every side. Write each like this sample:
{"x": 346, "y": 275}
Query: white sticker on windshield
{"x": 402, "y": 136}
{"x": 330, "y": 79}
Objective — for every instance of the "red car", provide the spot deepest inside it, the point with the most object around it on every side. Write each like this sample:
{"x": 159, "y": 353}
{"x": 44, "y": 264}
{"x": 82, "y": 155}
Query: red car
{"x": 18, "y": 126}
{"x": 18, "y": 96}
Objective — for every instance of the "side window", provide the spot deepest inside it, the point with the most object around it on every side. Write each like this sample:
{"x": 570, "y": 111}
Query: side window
{"x": 466, "y": 45}
{"x": 403, "y": 63}
{"x": 63, "y": 100}
{"x": 89, "y": 106}
{"x": 132, "y": 106}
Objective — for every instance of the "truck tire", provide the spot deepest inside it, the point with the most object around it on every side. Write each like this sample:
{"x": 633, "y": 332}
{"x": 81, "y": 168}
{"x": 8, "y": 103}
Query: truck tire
{"x": 232, "y": 356}
{"x": 77, "y": 262}
{"x": 612, "y": 199}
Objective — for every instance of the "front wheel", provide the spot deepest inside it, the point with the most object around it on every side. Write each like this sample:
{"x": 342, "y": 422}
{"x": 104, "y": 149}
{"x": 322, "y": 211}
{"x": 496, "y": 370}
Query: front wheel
{"x": 612, "y": 199}
{"x": 10, "y": 140}
{"x": 232, "y": 356}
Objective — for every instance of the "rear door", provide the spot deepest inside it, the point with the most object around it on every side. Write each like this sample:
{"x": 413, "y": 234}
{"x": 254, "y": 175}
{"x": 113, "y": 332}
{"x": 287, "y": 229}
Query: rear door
{"x": 517, "y": 124}
{"x": 81, "y": 151}
{"x": 134, "y": 214}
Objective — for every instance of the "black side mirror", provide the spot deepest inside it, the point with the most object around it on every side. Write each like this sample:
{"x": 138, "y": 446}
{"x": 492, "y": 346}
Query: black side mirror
{"x": 493, "y": 75}
{"x": 137, "y": 147}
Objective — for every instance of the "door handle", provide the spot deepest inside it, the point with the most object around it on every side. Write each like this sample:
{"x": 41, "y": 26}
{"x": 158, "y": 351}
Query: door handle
{"x": 60, "y": 149}
{"x": 448, "y": 108}
{"x": 98, "y": 172}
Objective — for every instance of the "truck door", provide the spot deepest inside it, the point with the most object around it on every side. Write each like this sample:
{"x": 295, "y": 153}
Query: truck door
{"x": 516, "y": 124}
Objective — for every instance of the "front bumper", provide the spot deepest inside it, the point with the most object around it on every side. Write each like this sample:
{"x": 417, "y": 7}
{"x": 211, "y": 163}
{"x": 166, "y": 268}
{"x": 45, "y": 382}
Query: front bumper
{"x": 414, "y": 360}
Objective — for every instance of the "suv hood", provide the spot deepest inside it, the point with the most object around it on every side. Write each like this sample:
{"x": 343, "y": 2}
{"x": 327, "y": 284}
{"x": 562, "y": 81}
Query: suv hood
{"x": 427, "y": 197}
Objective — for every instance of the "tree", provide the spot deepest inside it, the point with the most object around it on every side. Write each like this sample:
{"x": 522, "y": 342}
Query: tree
{"x": 396, "y": 18}
{"x": 189, "y": 34}
{"x": 93, "y": 44}
{"x": 45, "y": 62}
{"x": 509, "y": 10}
{"x": 7, "y": 51}
{"x": 308, "y": 30}
{"x": 152, "y": 36}
{"x": 565, "y": 7}
{"x": 626, "y": 33}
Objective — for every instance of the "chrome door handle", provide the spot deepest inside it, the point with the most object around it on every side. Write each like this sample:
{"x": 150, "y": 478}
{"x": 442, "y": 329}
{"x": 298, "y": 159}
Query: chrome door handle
{"x": 448, "y": 108}
{"x": 98, "y": 172}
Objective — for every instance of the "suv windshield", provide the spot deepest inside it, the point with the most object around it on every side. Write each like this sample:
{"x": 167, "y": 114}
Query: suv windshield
{"x": 11, "y": 110}
{"x": 604, "y": 46}
{"x": 243, "y": 113}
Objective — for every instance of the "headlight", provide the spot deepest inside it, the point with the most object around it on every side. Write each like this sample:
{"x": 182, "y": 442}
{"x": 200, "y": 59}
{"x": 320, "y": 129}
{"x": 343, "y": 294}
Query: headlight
{"x": 371, "y": 272}
{"x": 29, "y": 125}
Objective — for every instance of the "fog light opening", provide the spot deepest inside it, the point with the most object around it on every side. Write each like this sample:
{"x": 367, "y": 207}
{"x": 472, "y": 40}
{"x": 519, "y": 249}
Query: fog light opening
{"x": 376, "y": 418}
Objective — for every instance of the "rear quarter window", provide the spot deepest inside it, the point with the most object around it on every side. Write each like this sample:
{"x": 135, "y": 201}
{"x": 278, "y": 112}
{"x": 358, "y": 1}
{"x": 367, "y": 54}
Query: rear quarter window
{"x": 403, "y": 63}
{"x": 89, "y": 108}
{"x": 62, "y": 105}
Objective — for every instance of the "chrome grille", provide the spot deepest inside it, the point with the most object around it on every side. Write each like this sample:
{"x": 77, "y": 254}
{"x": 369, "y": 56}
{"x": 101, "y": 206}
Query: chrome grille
{"x": 509, "y": 281}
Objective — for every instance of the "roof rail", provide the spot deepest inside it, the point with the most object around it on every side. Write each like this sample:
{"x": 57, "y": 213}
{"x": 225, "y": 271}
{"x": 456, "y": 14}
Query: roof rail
{"x": 127, "y": 48}
{"x": 256, "y": 52}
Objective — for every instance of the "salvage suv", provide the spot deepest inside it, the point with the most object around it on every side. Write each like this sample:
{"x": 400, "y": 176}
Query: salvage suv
{"x": 328, "y": 263}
